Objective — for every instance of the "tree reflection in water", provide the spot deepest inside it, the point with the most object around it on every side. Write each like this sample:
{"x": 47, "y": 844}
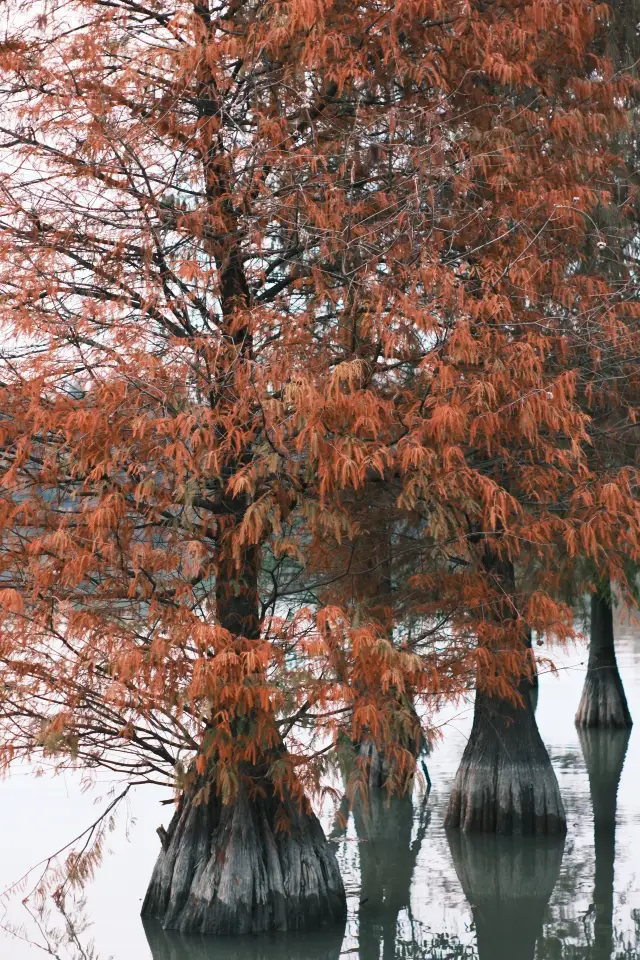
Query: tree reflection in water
{"x": 387, "y": 862}
{"x": 604, "y": 753}
{"x": 323, "y": 945}
{"x": 508, "y": 882}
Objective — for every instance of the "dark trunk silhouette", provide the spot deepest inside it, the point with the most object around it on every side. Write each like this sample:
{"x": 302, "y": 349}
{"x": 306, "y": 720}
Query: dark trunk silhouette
{"x": 604, "y": 753}
{"x": 505, "y": 782}
{"x": 508, "y": 882}
{"x": 406, "y": 730}
{"x": 603, "y": 702}
{"x": 387, "y": 863}
{"x": 229, "y": 869}
{"x": 324, "y": 945}
{"x": 377, "y": 766}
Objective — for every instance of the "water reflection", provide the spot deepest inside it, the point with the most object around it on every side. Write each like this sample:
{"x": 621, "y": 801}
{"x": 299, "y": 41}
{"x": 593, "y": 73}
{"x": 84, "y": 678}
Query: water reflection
{"x": 388, "y": 858}
{"x": 508, "y": 882}
{"x": 410, "y": 895}
{"x": 604, "y": 752}
{"x": 324, "y": 945}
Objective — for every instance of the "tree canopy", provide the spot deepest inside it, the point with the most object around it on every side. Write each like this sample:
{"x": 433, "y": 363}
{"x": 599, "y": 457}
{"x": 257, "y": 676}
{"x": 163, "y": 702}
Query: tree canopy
{"x": 262, "y": 266}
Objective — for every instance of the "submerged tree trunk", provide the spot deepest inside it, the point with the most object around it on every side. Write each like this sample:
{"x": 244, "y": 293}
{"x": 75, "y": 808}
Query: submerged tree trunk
{"x": 259, "y": 863}
{"x": 604, "y": 753}
{"x": 505, "y": 782}
{"x": 603, "y": 702}
{"x": 232, "y": 869}
{"x": 508, "y": 882}
{"x": 379, "y": 768}
{"x": 406, "y": 730}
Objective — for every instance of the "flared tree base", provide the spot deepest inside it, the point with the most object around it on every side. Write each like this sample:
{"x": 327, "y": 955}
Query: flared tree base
{"x": 505, "y": 783}
{"x": 254, "y": 866}
{"x": 603, "y": 703}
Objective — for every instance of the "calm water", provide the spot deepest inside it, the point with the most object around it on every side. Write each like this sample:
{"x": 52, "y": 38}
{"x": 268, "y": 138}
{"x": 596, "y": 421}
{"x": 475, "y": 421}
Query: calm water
{"x": 413, "y": 893}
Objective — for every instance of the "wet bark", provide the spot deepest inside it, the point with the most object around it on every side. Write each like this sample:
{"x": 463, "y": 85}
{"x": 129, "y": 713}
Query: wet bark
{"x": 229, "y": 869}
{"x": 324, "y": 945}
{"x": 505, "y": 782}
{"x": 387, "y": 863}
{"x": 604, "y": 752}
{"x": 603, "y": 702}
{"x": 508, "y": 882}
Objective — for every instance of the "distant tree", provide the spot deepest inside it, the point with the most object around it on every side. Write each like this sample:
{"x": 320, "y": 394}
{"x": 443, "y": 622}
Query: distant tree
{"x": 612, "y": 399}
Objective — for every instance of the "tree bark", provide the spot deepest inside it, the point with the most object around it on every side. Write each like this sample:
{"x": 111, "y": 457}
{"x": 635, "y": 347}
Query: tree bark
{"x": 534, "y": 681}
{"x": 505, "y": 782}
{"x": 604, "y": 752}
{"x": 508, "y": 882}
{"x": 228, "y": 869}
{"x": 233, "y": 869}
{"x": 379, "y": 768}
{"x": 603, "y": 702}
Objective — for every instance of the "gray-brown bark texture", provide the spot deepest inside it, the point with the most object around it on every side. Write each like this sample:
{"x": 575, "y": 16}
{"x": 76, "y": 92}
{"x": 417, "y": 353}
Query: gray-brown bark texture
{"x": 505, "y": 782}
{"x": 508, "y": 882}
{"x": 229, "y": 869}
{"x": 603, "y": 702}
{"x": 377, "y": 766}
{"x": 234, "y": 869}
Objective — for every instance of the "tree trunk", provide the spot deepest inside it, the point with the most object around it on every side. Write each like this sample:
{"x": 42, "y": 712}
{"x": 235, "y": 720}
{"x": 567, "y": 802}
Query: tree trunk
{"x": 323, "y": 945}
{"x": 379, "y": 768}
{"x": 604, "y": 752}
{"x": 228, "y": 869}
{"x": 508, "y": 882}
{"x": 603, "y": 702}
{"x": 233, "y": 869}
{"x": 505, "y": 782}
{"x": 534, "y": 690}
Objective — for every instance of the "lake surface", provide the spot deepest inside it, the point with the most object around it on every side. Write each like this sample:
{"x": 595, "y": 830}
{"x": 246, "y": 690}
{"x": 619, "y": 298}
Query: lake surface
{"x": 413, "y": 892}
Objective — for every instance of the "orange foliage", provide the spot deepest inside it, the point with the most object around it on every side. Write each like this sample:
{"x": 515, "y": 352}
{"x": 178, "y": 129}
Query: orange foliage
{"x": 258, "y": 260}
